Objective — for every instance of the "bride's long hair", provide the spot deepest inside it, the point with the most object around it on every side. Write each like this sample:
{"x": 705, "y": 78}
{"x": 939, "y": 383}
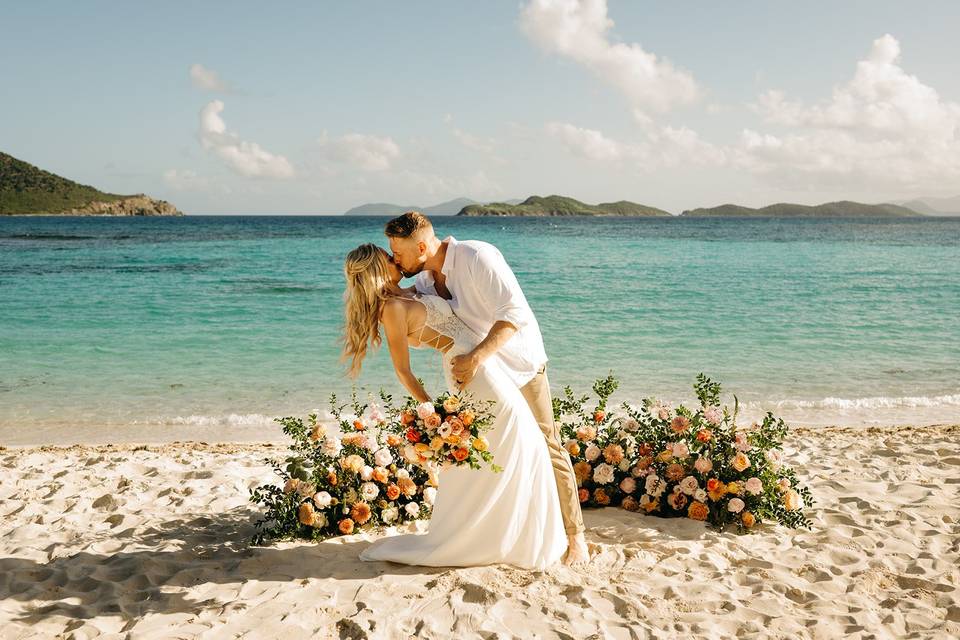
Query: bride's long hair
{"x": 368, "y": 275}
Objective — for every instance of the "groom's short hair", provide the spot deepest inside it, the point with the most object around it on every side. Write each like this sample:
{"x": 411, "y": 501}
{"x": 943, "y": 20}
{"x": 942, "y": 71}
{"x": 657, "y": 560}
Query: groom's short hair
{"x": 408, "y": 225}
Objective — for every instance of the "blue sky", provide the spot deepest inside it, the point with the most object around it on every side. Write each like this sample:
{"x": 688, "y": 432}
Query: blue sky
{"x": 317, "y": 107}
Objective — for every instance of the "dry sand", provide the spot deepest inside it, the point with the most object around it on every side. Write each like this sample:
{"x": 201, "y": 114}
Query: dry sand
{"x": 152, "y": 543}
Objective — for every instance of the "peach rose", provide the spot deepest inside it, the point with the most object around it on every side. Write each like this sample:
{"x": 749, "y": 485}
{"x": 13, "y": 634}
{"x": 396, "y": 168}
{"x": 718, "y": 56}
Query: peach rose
{"x": 432, "y": 421}
{"x": 747, "y": 519}
{"x": 754, "y": 486}
{"x": 630, "y": 504}
{"x": 599, "y": 416}
{"x": 393, "y": 492}
{"x": 381, "y": 475}
{"x": 346, "y": 526}
{"x": 600, "y": 497}
{"x": 783, "y": 485}
{"x": 467, "y": 417}
{"x": 360, "y": 512}
{"x": 317, "y": 432}
{"x": 698, "y": 511}
{"x": 703, "y": 465}
{"x": 291, "y": 485}
{"x": 613, "y": 453}
{"x": 740, "y": 461}
{"x": 680, "y": 424}
{"x": 792, "y": 500}
{"x": 649, "y": 505}
{"x": 704, "y": 435}
{"x": 628, "y": 485}
{"x": 394, "y": 440}
{"x": 583, "y": 494}
{"x": 586, "y": 434}
{"x": 572, "y": 447}
{"x": 451, "y": 404}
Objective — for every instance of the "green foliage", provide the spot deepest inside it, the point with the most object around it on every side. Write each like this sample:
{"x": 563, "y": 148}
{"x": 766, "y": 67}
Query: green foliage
{"x": 561, "y": 206}
{"x": 25, "y": 188}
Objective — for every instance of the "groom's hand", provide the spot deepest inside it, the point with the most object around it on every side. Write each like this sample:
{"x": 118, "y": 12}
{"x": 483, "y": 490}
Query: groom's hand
{"x": 464, "y": 367}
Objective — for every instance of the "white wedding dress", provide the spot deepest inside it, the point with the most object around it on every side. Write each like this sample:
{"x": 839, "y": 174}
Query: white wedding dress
{"x": 479, "y": 516}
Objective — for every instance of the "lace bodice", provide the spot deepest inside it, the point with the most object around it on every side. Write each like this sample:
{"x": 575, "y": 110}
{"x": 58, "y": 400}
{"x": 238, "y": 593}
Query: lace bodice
{"x": 442, "y": 320}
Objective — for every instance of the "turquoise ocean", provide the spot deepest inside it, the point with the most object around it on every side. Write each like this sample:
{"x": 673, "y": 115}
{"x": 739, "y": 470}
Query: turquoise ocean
{"x": 207, "y": 327}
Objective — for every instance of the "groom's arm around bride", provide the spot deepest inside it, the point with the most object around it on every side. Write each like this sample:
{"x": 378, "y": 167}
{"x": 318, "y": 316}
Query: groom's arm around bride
{"x": 484, "y": 293}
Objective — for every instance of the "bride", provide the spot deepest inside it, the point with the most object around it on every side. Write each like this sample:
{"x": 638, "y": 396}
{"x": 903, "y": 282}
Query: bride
{"x": 479, "y": 516}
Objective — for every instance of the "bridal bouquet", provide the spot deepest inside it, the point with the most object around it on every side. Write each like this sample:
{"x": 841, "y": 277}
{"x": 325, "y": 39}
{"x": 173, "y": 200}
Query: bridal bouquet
{"x": 448, "y": 431}
{"x": 693, "y": 463}
{"x": 343, "y": 477}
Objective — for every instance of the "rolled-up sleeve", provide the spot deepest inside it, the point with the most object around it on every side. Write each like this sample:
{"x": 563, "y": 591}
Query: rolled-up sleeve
{"x": 497, "y": 283}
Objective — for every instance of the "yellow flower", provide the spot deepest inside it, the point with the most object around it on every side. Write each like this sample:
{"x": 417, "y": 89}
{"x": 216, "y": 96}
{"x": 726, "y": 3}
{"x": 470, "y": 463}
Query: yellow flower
{"x": 740, "y": 461}
{"x": 436, "y": 444}
{"x": 665, "y": 456}
{"x": 481, "y": 444}
{"x": 698, "y": 511}
{"x": 733, "y": 487}
{"x": 748, "y": 519}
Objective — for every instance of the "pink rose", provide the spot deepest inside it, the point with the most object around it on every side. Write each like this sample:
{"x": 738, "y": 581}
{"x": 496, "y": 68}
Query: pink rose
{"x": 703, "y": 465}
{"x": 628, "y": 485}
{"x": 425, "y": 409}
{"x": 754, "y": 486}
{"x": 735, "y": 505}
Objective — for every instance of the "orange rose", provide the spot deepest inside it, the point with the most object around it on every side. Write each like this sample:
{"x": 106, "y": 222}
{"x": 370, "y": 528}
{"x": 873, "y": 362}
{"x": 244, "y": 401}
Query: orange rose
{"x": 704, "y": 435}
{"x": 467, "y": 417}
{"x": 651, "y": 506}
{"x": 461, "y": 454}
{"x": 380, "y": 475}
{"x": 407, "y": 486}
{"x": 645, "y": 449}
{"x": 630, "y": 504}
{"x": 644, "y": 462}
{"x": 393, "y": 492}
{"x": 346, "y": 526}
{"x": 698, "y": 511}
{"x": 316, "y": 433}
{"x": 360, "y": 512}
{"x": 332, "y": 478}
{"x": 393, "y": 440}
{"x": 598, "y": 416}
{"x": 305, "y": 514}
{"x": 748, "y": 519}
{"x": 573, "y": 448}
{"x": 407, "y": 418}
{"x": 674, "y": 472}
{"x": 713, "y": 484}
{"x": 413, "y": 435}
{"x": 613, "y": 453}
{"x": 680, "y": 424}
{"x": 583, "y": 494}
{"x": 358, "y": 425}
{"x": 600, "y": 497}
{"x": 582, "y": 471}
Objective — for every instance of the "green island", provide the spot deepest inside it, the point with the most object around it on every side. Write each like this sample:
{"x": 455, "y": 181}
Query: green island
{"x": 561, "y": 206}
{"x": 29, "y": 190}
{"x": 841, "y": 209}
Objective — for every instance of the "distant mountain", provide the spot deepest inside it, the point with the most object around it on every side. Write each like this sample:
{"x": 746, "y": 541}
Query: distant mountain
{"x": 26, "y": 189}
{"x": 934, "y": 206}
{"x": 842, "y": 209}
{"x": 561, "y": 206}
{"x": 449, "y": 208}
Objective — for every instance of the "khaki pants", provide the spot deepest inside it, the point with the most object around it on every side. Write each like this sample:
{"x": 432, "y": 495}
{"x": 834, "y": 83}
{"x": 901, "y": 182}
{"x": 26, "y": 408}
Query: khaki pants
{"x": 537, "y": 394}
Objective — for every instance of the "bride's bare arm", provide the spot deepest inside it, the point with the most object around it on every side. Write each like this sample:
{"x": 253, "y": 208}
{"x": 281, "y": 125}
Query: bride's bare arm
{"x": 395, "y": 326}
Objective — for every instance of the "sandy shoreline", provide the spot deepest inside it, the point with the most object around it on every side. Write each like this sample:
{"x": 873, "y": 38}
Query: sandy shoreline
{"x": 147, "y": 541}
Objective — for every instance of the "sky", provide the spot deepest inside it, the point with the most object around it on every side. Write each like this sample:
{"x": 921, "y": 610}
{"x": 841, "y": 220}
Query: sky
{"x": 313, "y": 108}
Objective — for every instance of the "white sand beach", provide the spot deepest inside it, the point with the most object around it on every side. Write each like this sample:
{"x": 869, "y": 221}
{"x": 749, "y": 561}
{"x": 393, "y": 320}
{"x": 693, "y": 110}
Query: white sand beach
{"x": 152, "y": 542}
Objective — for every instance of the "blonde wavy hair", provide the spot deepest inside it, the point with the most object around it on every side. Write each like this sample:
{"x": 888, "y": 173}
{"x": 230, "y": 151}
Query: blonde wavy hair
{"x": 367, "y": 273}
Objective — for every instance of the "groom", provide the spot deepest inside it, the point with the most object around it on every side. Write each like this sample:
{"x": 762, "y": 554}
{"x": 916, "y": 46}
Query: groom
{"x": 485, "y": 294}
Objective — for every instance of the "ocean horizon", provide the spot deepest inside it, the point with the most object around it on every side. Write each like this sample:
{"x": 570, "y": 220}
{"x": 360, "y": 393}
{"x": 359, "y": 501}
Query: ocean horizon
{"x": 208, "y": 327}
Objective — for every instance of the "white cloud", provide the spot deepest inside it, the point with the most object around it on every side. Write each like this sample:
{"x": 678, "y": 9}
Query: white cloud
{"x": 882, "y": 127}
{"x": 246, "y": 158}
{"x": 578, "y": 30}
{"x": 589, "y": 143}
{"x": 207, "y": 79}
{"x": 477, "y": 143}
{"x": 184, "y": 180}
{"x": 364, "y": 151}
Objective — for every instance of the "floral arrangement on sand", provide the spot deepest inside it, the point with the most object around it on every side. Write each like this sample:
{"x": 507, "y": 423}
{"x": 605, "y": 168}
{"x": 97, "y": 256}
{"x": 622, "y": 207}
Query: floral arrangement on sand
{"x": 692, "y": 463}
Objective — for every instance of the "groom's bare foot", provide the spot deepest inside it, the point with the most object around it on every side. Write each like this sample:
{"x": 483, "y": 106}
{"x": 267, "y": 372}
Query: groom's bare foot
{"x": 577, "y": 553}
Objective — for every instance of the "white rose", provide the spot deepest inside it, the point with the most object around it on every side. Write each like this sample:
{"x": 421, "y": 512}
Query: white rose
{"x": 390, "y": 514}
{"x": 754, "y": 486}
{"x": 425, "y": 409}
{"x": 603, "y": 474}
{"x": 322, "y": 499}
{"x": 651, "y": 483}
{"x": 775, "y": 458}
{"x": 624, "y": 465}
{"x": 366, "y": 472}
{"x": 735, "y": 505}
{"x": 403, "y": 473}
{"x": 332, "y": 447}
{"x": 592, "y": 452}
{"x": 383, "y": 458}
{"x": 412, "y": 509}
{"x": 689, "y": 485}
{"x": 369, "y": 490}
{"x": 429, "y": 495}
{"x": 700, "y": 495}
{"x": 631, "y": 425}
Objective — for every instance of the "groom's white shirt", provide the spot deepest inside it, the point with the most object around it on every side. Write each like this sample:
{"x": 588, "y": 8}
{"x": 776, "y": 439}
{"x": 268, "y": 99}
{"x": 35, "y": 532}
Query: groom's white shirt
{"x": 484, "y": 291}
